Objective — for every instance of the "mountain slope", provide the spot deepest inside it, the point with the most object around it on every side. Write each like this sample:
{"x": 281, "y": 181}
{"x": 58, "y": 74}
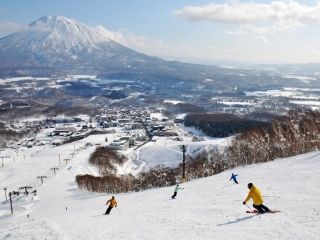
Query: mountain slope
{"x": 60, "y": 43}
{"x": 209, "y": 208}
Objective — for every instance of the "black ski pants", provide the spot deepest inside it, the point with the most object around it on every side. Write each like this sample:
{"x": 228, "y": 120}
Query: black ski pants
{"x": 108, "y": 210}
{"x": 174, "y": 195}
{"x": 261, "y": 208}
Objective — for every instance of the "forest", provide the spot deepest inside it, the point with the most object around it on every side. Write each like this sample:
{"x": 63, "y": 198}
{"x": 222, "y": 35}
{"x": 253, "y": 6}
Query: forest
{"x": 221, "y": 125}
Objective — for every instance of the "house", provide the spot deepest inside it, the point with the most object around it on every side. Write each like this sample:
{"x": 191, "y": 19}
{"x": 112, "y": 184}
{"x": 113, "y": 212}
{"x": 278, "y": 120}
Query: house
{"x": 124, "y": 120}
{"x": 157, "y": 127}
{"x": 64, "y": 131}
{"x": 122, "y": 145}
{"x": 154, "y": 138}
{"x": 137, "y": 126}
{"x": 179, "y": 120}
{"x": 63, "y": 119}
{"x": 105, "y": 124}
{"x": 131, "y": 140}
{"x": 57, "y": 141}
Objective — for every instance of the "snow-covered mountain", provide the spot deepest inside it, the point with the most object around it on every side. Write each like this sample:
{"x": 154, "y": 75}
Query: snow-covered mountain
{"x": 60, "y": 43}
{"x": 56, "y": 45}
{"x": 64, "y": 33}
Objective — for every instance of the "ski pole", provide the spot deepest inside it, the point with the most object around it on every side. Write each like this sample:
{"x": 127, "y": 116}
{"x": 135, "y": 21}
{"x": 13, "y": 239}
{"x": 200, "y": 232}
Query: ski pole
{"x": 248, "y": 207}
{"x": 271, "y": 196}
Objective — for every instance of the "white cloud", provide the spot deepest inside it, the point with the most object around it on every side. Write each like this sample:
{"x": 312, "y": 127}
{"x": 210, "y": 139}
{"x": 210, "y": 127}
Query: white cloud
{"x": 145, "y": 44}
{"x": 10, "y": 27}
{"x": 168, "y": 50}
{"x": 277, "y": 15}
{"x": 262, "y": 39}
{"x": 235, "y": 32}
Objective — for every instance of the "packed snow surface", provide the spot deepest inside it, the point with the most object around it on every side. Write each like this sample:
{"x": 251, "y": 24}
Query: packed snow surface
{"x": 208, "y": 208}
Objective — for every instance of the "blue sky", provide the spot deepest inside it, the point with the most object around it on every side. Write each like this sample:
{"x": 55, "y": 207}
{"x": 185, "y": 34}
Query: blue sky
{"x": 201, "y": 31}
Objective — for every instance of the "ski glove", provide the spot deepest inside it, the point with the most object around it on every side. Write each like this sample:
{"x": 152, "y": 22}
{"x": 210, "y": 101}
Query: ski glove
{"x": 244, "y": 203}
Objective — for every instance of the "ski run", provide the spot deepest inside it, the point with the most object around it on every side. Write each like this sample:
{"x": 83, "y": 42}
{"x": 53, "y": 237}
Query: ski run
{"x": 208, "y": 208}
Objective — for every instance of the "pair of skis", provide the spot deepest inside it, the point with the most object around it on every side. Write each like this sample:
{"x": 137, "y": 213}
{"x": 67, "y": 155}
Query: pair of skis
{"x": 257, "y": 212}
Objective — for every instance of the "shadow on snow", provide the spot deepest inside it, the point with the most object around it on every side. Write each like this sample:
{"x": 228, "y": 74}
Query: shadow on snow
{"x": 236, "y": 221}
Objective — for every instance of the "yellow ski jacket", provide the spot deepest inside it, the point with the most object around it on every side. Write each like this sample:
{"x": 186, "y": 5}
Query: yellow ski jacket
{"x": 255, "y": 194}
{"x": 113, "y": 202}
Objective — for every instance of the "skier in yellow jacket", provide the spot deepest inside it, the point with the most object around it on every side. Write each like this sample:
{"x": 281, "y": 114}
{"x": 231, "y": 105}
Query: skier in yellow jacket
{"x": 255, "y": 194}
{"x": 112, "y": 203}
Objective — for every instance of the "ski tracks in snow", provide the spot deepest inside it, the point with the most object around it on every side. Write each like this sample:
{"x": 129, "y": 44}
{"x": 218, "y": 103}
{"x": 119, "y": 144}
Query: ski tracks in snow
{"x": 32, "y": 229}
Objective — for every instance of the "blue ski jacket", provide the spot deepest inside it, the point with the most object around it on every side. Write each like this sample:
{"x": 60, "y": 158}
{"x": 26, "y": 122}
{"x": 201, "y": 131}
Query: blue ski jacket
{"x": 233, "y": 177}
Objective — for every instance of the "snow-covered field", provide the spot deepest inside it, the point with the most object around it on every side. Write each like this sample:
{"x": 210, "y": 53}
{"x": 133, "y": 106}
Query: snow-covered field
{"x": 174, "y": 102}
{"x": 236, "y": 103}
{"x": 299, "y": 93}
{"x": 209, "y": 208}
{"x": 70, "y": 77}
{"x": 309, "y": 103}
{"x": 167, "y": 152}
{"x": 304, "y": 79}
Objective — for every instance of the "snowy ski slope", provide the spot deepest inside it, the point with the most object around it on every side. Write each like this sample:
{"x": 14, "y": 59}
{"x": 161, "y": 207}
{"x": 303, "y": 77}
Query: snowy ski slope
{"x": 209, "y": 208}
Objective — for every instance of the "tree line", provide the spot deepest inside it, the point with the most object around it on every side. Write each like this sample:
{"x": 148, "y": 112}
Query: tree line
{"x": 290, "y": 135}
{"x": 221, "y": 125}
{"x": 105, "y": 159}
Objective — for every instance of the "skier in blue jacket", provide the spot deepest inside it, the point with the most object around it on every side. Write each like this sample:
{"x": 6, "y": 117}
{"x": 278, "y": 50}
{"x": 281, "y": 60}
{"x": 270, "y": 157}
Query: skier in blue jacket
{"x": 234, "y": 178}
